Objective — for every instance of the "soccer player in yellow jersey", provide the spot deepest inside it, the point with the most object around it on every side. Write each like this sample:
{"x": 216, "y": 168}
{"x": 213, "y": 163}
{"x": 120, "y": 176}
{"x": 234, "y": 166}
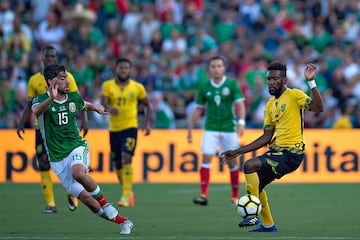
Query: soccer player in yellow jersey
{"x": 38, "y": 85}
{"x": 283, "y": 132}
{"x": 121, "y": 96}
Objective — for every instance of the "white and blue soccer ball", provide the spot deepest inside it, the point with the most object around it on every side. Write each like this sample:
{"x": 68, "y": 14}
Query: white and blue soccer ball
{"x": 248, "y": 206}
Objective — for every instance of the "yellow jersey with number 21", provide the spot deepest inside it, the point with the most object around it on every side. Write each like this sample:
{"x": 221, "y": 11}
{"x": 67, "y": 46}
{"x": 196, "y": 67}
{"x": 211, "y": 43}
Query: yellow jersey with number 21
{"x": 125, "y": 99}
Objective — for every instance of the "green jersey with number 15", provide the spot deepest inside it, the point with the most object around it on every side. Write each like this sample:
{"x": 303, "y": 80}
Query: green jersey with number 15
{"x": 58, "y": 125}
{"x": 219, "y": 99}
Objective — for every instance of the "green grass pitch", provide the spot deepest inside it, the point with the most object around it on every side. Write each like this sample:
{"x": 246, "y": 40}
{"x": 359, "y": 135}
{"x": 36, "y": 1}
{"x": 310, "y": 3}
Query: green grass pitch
{"x": 166, "y": 211}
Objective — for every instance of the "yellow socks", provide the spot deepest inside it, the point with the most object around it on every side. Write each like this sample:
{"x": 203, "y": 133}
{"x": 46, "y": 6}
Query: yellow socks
{"x": 127, "y": 179}
{"x": 252, "y": 183}
{"x": 252, "y": 186}
{"x": 47, "y": 188}
{"x": 265, "y": 212}
{"x": 119, "y": 174}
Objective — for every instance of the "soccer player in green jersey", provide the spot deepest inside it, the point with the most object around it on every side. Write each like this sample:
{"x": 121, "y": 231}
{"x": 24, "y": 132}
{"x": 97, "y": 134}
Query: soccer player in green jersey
{"x": 283, "y": 132}
{"x": 68, "y": 152}
{"x": 37, "y": 85}
{"x": 220, "y": 96}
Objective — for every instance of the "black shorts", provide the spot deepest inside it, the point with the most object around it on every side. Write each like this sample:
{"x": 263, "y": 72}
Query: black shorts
{"x": 123, "y": 141}
{"x": 276, "y": 164}
{"x": 39, "y": 144}
{"x": 41, "y": 154}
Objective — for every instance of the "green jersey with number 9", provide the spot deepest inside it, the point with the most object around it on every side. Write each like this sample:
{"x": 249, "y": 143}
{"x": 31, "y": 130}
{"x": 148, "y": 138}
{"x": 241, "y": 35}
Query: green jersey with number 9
{"x": 219, "y": 99}
{"x": 58, "y": 125}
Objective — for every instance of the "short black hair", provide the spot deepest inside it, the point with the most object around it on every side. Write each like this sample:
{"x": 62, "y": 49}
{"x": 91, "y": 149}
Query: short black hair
{"x": 277, "y": 66}
{"x": 48, "y": 48}
{"x": 121, "y": 60}
{"x": 218, "y": 57}
{"x": 52, "y": 70}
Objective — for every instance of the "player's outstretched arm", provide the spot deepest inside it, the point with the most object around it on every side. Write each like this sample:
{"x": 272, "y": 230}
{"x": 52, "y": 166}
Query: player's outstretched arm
{"x": 84, "y": 122}
{"x": 24, "y": 117}
{"x": 194, "y": 117}
{"x": 148, "y": 116}
{"x": 97, "y": 108}
{"x": 262, "y": 141}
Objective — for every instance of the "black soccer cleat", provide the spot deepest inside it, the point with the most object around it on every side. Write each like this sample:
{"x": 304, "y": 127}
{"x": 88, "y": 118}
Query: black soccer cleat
{"x": 201, "y": 201}
{"x": 248, "y": 222}
{"x": 49, "y": 210}
{"x": 72, "y": 202}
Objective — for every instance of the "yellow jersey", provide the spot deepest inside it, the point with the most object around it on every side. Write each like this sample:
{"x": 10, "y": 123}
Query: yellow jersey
{"x": 286, "y": 115}
{"x": 37, "y": 85}
{"x": 125, "y": 99}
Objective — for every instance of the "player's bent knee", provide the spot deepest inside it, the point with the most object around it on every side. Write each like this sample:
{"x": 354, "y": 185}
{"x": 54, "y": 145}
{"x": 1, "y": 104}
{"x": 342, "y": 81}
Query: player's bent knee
{"x": 252, "y": 165}
{"x": 75, "y": 188}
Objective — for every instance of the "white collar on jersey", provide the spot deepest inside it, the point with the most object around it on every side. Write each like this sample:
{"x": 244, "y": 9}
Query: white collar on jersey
{"x": 57, "y": 101}
{"x": 219, "y": 84}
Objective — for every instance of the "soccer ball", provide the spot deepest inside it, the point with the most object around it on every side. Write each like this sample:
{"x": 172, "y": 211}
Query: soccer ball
{"x": 248, "y": 206}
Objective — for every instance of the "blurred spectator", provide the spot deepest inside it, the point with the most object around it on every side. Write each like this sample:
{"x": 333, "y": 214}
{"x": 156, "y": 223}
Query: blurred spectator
{"x": 163, "y": 114}
{"x": 3, "y": 113}
{"x": 51, "y": 32}
{"x": 204, "y": 42}
{"x": 156, "y": 42}
{"x": 168, "y": 25}
{"x": 225, "y": 29}
{"x": 8, "y": 97}
{"x": 7, "y": 17}
{"x": 83, "y": 34}
{"x": 18, "y": 44}
{"x": 165, "y": 8}
{"x": 40, "y": 10}
{"x": 272, "y": 36}
{"x": 176, "y": 43}
{"x": 344, "y": 121}
{"x": 320, "y": 38}
{"x": 131, "y": 20}
{"x": 147, "y": 26}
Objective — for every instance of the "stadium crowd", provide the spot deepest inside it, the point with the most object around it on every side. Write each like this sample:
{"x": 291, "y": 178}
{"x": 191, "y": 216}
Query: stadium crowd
{"x": 169, "y": 43}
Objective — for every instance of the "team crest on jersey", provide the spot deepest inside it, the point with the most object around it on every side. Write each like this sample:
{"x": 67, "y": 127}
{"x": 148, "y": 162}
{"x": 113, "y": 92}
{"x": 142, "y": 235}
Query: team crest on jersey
{"x": 208, "y": 94}
{"x": 225, "y": 91}
{"x": 72, "y": 107}
{"x": 283, "y": 107}
{"x": 53, "y": 109}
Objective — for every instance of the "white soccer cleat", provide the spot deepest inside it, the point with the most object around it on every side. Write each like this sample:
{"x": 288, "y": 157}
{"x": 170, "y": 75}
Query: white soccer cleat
{"x": 110, "y": 211}
{"x": 126, "y": 227}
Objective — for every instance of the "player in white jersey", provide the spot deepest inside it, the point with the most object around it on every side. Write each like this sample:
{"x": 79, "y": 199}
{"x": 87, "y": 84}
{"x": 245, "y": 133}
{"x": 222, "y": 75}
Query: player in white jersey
{"x": 68, "y": 152}
{"x": 220, "y": 96}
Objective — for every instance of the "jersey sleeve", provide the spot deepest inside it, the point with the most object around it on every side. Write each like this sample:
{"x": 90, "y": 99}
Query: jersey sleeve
{"x": 31, "y": 90}
{"x": 80, "y": 103}
{"x": 39, "y": 99}
{"x": 142, "y": 91}
{"x": 200, "y": 97}
{"x": 72, "y": 83}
